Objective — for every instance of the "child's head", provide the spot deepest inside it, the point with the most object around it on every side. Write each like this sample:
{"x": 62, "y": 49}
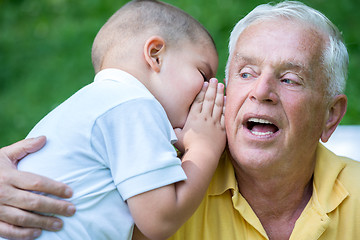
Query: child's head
{"x": 165, "y": 48}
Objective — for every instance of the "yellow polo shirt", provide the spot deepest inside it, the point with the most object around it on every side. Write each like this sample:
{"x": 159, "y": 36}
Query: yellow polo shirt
{"x": 333, "y": 211}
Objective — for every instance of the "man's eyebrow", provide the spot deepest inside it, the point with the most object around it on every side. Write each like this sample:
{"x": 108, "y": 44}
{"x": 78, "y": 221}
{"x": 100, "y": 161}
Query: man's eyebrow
{"x": 298, "y": 67}
{"x": 241, "y": 58}
{"x": 293, "y": 65}
{"x": 283, "y": 64}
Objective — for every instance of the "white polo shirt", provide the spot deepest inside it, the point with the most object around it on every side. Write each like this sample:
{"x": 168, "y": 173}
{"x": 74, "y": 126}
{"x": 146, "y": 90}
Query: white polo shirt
{"x": 109, "y": 141}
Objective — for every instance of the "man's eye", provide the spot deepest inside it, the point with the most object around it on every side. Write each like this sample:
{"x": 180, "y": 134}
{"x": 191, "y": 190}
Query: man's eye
{"x": 245, "y": 75}
{"x": 247, "y": 72}
{"x": 289, "y": 81}
{"x": 286, "y": 80}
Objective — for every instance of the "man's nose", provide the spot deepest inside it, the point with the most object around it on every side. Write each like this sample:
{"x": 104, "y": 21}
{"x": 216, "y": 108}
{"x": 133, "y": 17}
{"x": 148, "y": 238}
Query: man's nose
{"x": 265, "y": 89}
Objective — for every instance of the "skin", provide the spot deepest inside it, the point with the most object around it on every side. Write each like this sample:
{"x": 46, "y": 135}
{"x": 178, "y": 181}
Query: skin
{"x": 275, "y": 75}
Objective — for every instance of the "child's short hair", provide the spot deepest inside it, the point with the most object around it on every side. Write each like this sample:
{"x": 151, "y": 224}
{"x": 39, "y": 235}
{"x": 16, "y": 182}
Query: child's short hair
{"x": 146, "y": 16}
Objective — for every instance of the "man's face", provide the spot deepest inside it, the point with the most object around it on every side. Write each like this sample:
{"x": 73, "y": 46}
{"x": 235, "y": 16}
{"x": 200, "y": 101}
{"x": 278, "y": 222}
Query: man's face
{"x": 275, "y": 107}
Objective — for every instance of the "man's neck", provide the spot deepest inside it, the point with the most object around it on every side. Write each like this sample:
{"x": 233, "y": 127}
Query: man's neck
{"x": 277, "y": 199}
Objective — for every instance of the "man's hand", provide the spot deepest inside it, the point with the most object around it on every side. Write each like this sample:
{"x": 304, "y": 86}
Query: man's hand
{"x": 17, "y": 221}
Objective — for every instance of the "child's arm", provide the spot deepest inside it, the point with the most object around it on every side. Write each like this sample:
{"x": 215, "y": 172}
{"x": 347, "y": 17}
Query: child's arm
{"x": 160, "y": 212}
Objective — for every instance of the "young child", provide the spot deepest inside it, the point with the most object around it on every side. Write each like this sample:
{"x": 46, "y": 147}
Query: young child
{"x": 112, "y": 140}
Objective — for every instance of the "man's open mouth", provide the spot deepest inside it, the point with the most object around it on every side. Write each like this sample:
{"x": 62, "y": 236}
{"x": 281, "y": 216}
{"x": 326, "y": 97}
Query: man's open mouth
{"x": 261, "y": 127}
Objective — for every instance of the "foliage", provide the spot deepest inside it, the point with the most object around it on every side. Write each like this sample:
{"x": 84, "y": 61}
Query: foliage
{"x": 45, "y": 50}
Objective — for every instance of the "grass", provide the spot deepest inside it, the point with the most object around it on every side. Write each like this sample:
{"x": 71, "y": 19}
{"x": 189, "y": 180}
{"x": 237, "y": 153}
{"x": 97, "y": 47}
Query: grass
{"x": 45, "y": 50}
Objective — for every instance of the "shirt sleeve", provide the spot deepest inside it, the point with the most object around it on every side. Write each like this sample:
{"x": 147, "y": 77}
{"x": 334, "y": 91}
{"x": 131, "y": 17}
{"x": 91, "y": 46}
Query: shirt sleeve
{"x": 135, "y": 139}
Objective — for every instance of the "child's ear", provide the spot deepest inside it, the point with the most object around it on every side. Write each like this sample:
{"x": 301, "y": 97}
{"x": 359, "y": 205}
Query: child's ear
{"x": 153, "y": 52}
{"x": 335, "y": 113}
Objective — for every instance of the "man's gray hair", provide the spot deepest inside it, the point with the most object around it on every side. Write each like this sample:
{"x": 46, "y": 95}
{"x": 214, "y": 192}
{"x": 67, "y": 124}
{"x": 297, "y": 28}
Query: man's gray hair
{"x": 335, "y": 57}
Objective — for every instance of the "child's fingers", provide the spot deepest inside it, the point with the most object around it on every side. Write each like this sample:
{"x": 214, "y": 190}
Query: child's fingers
{"x": 219, "y": 102}
{"x": 198, "y": 102}
{"x": 210, "y": 96}
{"x": 222, "y": 120}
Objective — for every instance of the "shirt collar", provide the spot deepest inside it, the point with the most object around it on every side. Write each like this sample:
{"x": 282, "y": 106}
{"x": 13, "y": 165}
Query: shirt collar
{"x": 328, "y": 190}
{"x": 224, "y": 178}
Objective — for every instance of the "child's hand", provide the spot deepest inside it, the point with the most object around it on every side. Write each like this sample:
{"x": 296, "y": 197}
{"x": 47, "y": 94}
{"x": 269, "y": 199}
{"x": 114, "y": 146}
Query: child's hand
{"x": 203, "y": 138}
{"x": 204, "y": 127}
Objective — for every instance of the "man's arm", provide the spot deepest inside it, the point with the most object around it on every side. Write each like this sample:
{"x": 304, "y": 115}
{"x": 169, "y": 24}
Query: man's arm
{"x": 17, "y": 221}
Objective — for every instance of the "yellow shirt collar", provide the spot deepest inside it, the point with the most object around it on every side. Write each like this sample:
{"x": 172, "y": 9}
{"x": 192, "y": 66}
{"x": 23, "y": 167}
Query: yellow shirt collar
{"x": 328, "y": 190}
{"x": 224, "y": 178}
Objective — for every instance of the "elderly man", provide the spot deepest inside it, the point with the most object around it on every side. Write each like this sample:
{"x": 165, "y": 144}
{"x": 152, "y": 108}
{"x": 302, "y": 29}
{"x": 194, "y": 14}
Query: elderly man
{"x": 285, "y": 80}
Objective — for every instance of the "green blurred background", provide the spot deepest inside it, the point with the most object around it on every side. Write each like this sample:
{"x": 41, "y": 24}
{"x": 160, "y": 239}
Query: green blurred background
{"x": 45, "y": 50}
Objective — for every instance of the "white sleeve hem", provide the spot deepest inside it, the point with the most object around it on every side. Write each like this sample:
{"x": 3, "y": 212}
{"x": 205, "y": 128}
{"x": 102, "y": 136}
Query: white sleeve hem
{"x": 151, "y": 180}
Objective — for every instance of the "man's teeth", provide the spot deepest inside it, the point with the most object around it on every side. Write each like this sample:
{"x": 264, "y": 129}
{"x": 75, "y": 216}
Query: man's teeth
{"x": 259, "y": 120}
{"x": 261, "y": 133}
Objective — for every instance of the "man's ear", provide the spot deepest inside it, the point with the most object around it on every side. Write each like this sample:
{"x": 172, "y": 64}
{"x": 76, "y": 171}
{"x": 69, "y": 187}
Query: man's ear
{"x": 153, "y": 52}
{"x": 335, "y": 113}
